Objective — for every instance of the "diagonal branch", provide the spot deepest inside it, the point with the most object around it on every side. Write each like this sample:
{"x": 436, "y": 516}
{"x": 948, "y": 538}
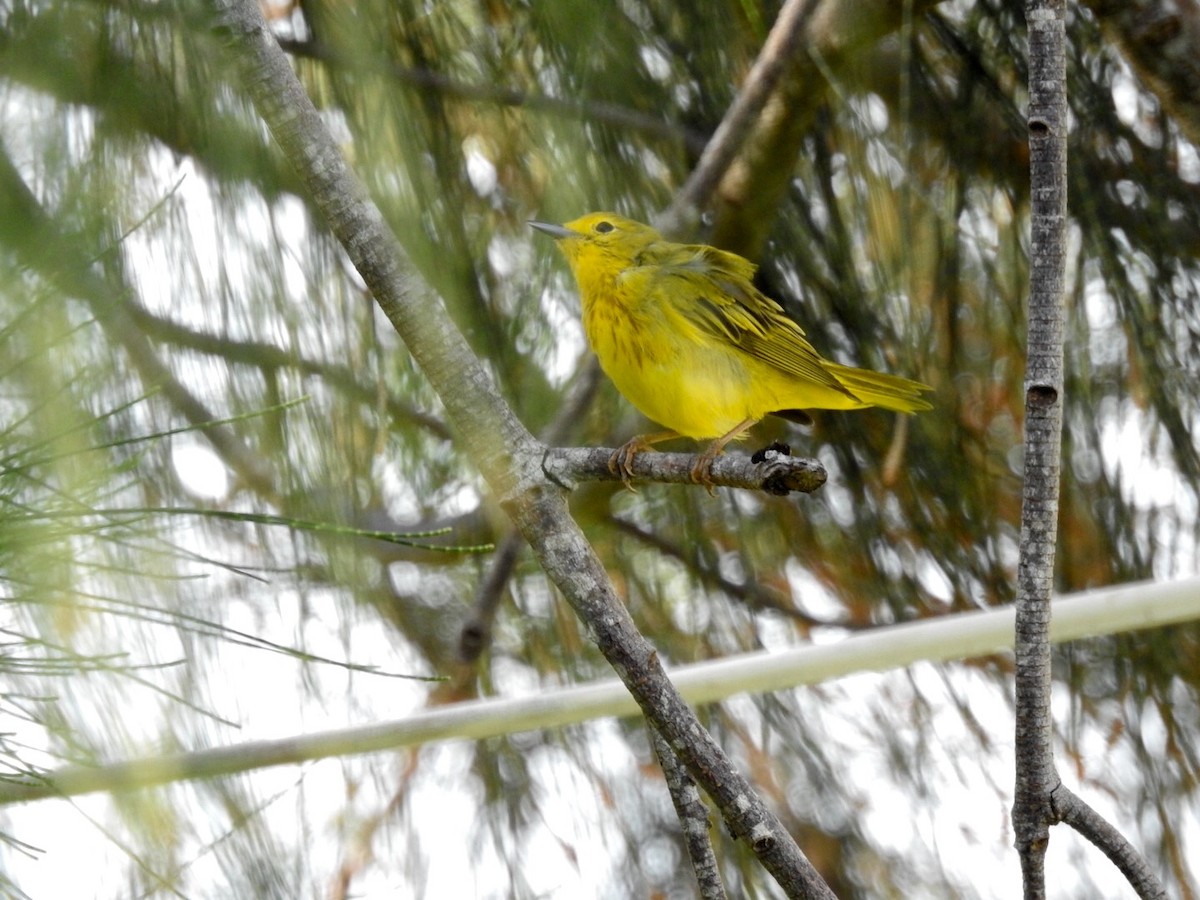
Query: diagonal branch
{"x": 693, "y": 815}
{"x": 754, "y": 157}
{"x": 1071, "y": 810}
{"x": 506, "y": 454}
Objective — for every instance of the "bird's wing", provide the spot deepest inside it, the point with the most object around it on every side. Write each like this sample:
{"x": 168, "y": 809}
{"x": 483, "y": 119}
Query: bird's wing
{"x": 710, "y": 291}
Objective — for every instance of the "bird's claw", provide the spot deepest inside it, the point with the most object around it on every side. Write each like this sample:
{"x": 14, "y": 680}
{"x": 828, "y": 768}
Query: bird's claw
{"x": 701, "y": 472}
{"x": 621, "y": 461}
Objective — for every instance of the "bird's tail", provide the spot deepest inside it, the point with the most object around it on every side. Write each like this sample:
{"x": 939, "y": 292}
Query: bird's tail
{"x": 885, "y": 391}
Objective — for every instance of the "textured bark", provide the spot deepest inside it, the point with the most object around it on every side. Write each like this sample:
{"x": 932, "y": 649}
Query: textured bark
{"x": 1074, "y": 812}
{"x": 1036, "y": 777}
{"x": 1040, "y": 799}
{"x": 562, "y": 550}
{"x": 771, "y": 471}
{"x": 693, "y": 815}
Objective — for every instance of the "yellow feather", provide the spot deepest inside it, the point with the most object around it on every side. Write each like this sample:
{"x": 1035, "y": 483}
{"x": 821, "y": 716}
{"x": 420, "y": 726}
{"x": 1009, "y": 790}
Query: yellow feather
{"x": 687, "y": 338}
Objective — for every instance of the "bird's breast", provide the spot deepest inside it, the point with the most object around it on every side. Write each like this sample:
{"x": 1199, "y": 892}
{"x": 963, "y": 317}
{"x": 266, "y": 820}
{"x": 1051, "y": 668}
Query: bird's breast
{"x": 617, "y": 330}
{"x": 690, "y": 387}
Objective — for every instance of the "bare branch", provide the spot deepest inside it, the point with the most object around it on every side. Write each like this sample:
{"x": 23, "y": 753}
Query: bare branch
{"x": 1070, "y": 809}
{"x": 1036, "y": 776}
{"x": 693, "y": 816}
{"x": 776, "y": 474}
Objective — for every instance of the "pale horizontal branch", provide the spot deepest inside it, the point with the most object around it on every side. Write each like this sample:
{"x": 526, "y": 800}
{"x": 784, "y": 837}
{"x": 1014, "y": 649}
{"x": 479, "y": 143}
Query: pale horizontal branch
{"x": 966, "y": 635}
{"x": 777, "y": 473}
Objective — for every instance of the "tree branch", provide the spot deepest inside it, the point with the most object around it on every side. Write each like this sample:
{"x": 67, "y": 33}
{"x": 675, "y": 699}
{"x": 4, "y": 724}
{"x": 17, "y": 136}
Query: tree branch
{"x": 1040, "y": 799}
{"x": 693, "y": 816}
{"x": 776, "y": 474}
{"x": 751, "y": 188}
{"x": 508, "y": 456}
{"x": 1036, "y": 776}
{"x": 1070, "y": 809}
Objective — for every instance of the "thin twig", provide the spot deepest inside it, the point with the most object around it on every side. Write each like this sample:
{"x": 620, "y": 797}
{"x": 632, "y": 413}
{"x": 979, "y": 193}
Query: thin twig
{"x": 693, "y": 816}
{"x": 1073, "y": 811}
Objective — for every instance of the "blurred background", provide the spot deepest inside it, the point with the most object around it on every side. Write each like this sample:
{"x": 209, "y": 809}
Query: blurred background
{"x": 179, "y": 335}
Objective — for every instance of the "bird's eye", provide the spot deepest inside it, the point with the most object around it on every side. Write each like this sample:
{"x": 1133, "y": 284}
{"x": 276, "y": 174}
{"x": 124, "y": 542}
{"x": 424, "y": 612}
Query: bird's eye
{"x": 604, "y": 227}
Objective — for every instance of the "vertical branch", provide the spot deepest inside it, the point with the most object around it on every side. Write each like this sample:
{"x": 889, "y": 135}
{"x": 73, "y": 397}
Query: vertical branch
{"x": 1036, "y": 777}
{"x": 1040, "y": 799}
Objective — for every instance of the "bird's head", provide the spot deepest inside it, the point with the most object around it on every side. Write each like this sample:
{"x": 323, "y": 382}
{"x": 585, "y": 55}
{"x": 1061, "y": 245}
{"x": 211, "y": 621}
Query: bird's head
{"x": 600, "y": 243}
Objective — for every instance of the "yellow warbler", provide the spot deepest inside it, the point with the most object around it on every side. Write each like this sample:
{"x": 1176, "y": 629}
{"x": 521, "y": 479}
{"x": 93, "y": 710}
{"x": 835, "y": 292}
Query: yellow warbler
{"x": 689, "y": 340}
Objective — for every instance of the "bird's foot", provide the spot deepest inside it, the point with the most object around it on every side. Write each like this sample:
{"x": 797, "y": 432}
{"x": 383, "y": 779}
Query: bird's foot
{"x": 702, "y": 468}
{"x": 621, "y": 461}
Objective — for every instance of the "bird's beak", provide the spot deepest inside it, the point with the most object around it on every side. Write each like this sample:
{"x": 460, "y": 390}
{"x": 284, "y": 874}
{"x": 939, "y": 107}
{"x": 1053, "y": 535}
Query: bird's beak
{"x": 557, "y": 232}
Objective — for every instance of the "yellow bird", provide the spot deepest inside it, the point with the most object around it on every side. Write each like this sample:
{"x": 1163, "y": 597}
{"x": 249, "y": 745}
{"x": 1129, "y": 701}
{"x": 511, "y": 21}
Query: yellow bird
{"x": 687, "y": 339}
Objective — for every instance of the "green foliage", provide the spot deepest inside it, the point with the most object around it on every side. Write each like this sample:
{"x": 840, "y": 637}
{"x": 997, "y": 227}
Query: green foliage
{"x": 164, "y": 284}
